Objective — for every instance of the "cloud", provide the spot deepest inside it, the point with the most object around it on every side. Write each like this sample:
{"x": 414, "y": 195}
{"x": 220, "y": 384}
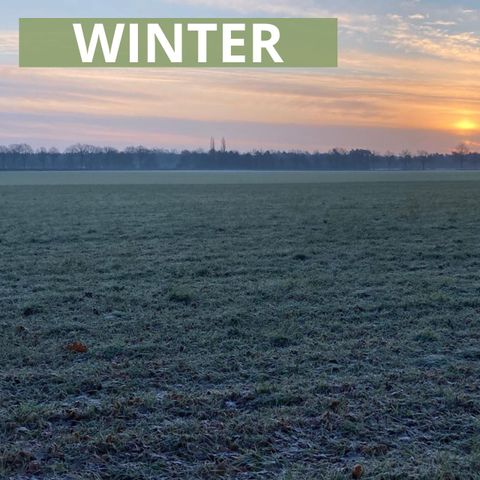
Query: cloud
{"x": 181, "y": 133}
{"x": 418, "y": 16}
{"x": 369, "y": 92}
{"x": 9, "y": 43}
{"x": 442, "y": 23}
{"x": 430, "y": 39}
{"x": 286, "y": 8}
{"x": 412, "y": 32}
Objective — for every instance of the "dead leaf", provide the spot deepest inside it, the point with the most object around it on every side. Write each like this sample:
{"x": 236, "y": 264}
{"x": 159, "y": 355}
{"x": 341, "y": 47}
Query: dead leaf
{"x": 77, "y": 347}
{"x": 73, "y": 414}
{"x": 357, "y": 471}
{"x": 334, "y": 405}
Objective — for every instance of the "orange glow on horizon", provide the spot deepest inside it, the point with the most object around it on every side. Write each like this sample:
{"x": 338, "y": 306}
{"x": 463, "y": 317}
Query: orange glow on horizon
{"x": 466, "y": 125}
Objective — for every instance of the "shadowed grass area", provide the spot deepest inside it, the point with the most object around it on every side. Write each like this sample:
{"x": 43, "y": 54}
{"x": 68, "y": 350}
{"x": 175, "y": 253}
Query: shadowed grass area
{"x": 240, "y": 331}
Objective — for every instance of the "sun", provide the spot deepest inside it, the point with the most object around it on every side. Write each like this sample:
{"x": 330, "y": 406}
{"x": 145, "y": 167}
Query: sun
{"x": 466, "y": 125}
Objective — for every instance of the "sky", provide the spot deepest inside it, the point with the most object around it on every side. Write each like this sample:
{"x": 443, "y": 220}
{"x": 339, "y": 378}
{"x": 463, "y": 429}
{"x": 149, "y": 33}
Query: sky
{"x": 408, "y": 79}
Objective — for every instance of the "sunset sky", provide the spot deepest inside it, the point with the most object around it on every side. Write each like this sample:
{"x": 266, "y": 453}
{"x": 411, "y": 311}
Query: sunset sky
{"x": 408, "y": 78}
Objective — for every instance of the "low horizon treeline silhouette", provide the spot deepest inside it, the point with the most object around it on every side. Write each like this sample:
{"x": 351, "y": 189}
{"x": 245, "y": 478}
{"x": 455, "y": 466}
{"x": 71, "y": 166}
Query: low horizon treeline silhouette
{"x": 90, "y": 157}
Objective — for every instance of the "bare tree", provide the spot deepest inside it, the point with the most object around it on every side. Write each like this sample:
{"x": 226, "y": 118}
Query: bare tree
{"x": 406, "y": 157}
{"x": 423, "y": 157}
{"x": 20, "y": 152}
{"x": 21, "y": 149}
{"x": 84, "y": 152}
{"x": 461, "y": 153}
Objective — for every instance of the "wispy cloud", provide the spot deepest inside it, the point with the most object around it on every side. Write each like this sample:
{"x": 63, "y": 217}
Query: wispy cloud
{"x": 8, "y": 43}
{"x": 284, "y": 8}
{"x": 420, "y": 32}
{"x": 433, "y": 39}
{"x": 403, "y": 99}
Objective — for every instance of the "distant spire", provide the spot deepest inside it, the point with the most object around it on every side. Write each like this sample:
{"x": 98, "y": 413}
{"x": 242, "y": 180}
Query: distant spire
{"x": 224, "y": 145}
{"x": 212, "y": 144}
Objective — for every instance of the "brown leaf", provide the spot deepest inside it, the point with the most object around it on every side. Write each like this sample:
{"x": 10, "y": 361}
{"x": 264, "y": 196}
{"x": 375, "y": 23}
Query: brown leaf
{"x": 73, "y": 414}
{"x": 334, "y": 405}
{"x": 357, "y": 471}
{"x": 77, "y": 347}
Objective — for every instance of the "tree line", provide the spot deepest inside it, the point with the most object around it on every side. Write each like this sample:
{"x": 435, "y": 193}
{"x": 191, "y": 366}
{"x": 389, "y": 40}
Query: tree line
{"x": 89, "y": 157}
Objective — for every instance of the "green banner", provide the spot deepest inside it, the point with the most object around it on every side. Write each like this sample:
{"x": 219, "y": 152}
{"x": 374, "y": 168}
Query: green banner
{"x": 178, "y": 42}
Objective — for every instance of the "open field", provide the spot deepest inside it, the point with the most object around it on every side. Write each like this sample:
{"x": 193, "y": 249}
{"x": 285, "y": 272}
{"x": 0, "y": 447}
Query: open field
{"x": 249, "y": 331}
{"x": 217, "y": 177}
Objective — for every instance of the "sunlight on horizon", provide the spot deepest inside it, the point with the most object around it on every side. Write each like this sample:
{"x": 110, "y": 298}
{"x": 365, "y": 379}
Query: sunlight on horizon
{"x": 466, "y": 125}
